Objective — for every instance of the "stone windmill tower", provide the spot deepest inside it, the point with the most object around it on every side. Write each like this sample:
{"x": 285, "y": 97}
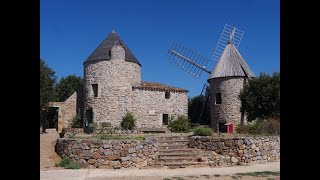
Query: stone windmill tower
{"x": 226, "y": 80}
{"x": 109, "y": 73}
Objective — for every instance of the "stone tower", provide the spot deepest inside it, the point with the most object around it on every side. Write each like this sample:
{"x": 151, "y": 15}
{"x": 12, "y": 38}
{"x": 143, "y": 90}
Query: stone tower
{"x": 226, "y": 81}
{"x": 109, "y": 73}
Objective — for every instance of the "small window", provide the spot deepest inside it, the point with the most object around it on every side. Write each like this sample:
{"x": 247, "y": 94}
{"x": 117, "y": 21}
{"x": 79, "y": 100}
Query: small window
{"x": 165, "y": 118}
{"x": 167, "y": 95}
{"x": 95, "y": 90}
{"x": 218, "y": 98}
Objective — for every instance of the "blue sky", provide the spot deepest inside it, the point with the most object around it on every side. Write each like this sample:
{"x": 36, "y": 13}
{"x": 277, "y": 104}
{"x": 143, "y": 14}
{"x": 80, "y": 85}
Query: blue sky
{"x": 71, "y": 30}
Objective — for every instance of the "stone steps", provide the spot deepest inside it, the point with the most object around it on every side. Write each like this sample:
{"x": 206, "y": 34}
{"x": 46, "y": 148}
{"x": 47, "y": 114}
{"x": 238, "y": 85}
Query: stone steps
{"x": 179, "y": 164}
{"x": 178, "y": 159}
{"x": 164, "y": 138}
{"x": 174, "y": 141}
{"x": 174, "y": 152}
{"x": 173, "y": 146}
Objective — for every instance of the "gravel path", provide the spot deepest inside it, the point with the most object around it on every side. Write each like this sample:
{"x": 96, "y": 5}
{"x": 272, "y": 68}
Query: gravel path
{"x": 48, "y": 157}
{"x": 200, "y": 173}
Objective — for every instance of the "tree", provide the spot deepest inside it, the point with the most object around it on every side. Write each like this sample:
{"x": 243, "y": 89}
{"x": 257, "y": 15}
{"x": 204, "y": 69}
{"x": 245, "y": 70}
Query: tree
{"x": 67, "y": 86}
{"x": 260, "y": 97}
{"x": 47, "y": 82}
{"x": 195, "y": 105}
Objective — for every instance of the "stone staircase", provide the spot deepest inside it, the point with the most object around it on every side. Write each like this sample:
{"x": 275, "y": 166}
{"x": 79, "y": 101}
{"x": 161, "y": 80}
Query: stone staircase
{"x": 175, "y": 153}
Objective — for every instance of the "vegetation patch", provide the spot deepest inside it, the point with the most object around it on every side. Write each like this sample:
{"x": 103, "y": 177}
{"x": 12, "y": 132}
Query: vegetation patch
{"x": 69, "y": 163}
{"x": 270, "y": 126}
{"x": 128, "y": 122}
{"x": 202, "y": 131}
{"x": 118, "y": 137}
{"x": 76, "y": 122}
{"x": 260, "y": 174}
{"x": 181, "y": 124}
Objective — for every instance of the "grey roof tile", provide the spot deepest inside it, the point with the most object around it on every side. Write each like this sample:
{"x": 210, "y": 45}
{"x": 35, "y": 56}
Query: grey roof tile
{"x": 102, "y": 52}
{"x": 231, "y": 64}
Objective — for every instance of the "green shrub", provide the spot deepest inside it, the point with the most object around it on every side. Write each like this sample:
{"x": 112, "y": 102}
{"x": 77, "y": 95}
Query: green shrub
{"x": 181, "y": 124}
{"x": 202, "y": 131}
{"x": 128, "y": 122}
{"x": 76, "y": 122}
{"x": 69, "y": 163}
{"x": 269, "y": 126}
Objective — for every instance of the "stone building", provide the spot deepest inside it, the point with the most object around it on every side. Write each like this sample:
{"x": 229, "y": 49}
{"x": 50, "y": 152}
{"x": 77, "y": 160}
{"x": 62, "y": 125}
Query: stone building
{"x": 113, "y": 86}
{"x": 226, "y": 81}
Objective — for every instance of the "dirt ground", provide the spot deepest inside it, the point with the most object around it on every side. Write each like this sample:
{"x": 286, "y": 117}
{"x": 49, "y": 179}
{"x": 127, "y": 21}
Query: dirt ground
{"x": 48, "y": 157}
{"x": 200, "y": 177}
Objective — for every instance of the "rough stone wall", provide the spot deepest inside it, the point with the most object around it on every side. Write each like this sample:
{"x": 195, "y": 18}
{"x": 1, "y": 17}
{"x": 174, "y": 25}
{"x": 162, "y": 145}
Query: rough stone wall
{"x": 149, "y": 106}
{"x": 109, "y": 153}
{"x": 229, "y": 109}
{"x": 114, "y": 78}
{"x": 67, "y": 110}
{"x": 232, "y": 151}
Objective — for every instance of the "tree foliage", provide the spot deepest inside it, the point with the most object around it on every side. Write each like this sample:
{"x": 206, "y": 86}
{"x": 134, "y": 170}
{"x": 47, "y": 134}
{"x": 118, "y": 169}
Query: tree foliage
{"x": 47, "y": 82}
{"x": 195, "y": 105}
{"x": 67, "y": 86}
{"x": 260, "y": 98}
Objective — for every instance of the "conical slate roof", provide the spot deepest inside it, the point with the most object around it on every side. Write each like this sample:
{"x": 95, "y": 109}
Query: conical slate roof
{"x": 102, "y": 52}
{"x": 231, "y": 64}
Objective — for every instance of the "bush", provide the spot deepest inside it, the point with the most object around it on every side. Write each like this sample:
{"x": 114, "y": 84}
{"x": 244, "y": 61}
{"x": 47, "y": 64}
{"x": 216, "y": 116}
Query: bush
{"x": 202, "y": 131}
{"x": 181, "y": 124}
{"x": 76, "y": 122}
{"x": 128, "y": 122}
{"x": 273, "y": 125}
{"x": 269, "y": 126}
{"x": 69, "y": 163}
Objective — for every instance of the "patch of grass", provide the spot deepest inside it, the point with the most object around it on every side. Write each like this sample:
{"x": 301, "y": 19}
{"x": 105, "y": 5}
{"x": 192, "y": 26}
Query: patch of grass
{"x": 117, "y": 137}
{"x": 69, "y": 163}
{"x": 216, "y": 175}
{"x": 179, "y": 178}
{"x": 206, "y": 175}
{"x": 260, "y": 174}
{"x": 166, "y": 179}
{"x": 191, "y": 177}
{"x": 234, "y": 177}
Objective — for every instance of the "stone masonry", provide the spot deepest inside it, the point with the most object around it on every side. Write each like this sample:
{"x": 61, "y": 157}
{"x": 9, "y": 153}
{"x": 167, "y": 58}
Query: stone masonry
{"x": 149, "y": 106}
{"x": 229, "y": 109}
{"x": 109, "y": 153}
{"x": 118, "y": 93}
{"x": 235, "y": 151}
{"x": 116, "y": 73}
{"x": 211, "y": 151}
{"x": 67, "y": 110}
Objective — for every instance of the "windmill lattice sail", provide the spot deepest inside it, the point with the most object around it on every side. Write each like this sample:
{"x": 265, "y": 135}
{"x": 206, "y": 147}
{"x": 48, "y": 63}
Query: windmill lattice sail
{"x": 187, "y": 59}
{"x": 229, "y": 33}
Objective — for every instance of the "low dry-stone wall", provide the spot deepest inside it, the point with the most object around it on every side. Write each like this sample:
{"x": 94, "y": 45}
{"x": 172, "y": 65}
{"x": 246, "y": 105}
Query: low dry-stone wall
{"x": 236, "y": 151}
{"x": 109, "y": 153}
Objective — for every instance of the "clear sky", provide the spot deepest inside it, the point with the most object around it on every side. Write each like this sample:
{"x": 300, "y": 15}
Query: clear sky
{"x": 70, "y": 30}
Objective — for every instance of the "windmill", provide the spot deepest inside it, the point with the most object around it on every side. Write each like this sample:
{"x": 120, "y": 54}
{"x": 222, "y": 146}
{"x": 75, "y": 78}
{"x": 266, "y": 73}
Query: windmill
{"x": 230, "y": 64}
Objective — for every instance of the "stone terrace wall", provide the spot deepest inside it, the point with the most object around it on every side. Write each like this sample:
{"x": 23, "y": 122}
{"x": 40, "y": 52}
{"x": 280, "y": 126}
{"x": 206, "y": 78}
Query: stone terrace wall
{"x": 109, "y": 153}
{"x": 234, "y": 151}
